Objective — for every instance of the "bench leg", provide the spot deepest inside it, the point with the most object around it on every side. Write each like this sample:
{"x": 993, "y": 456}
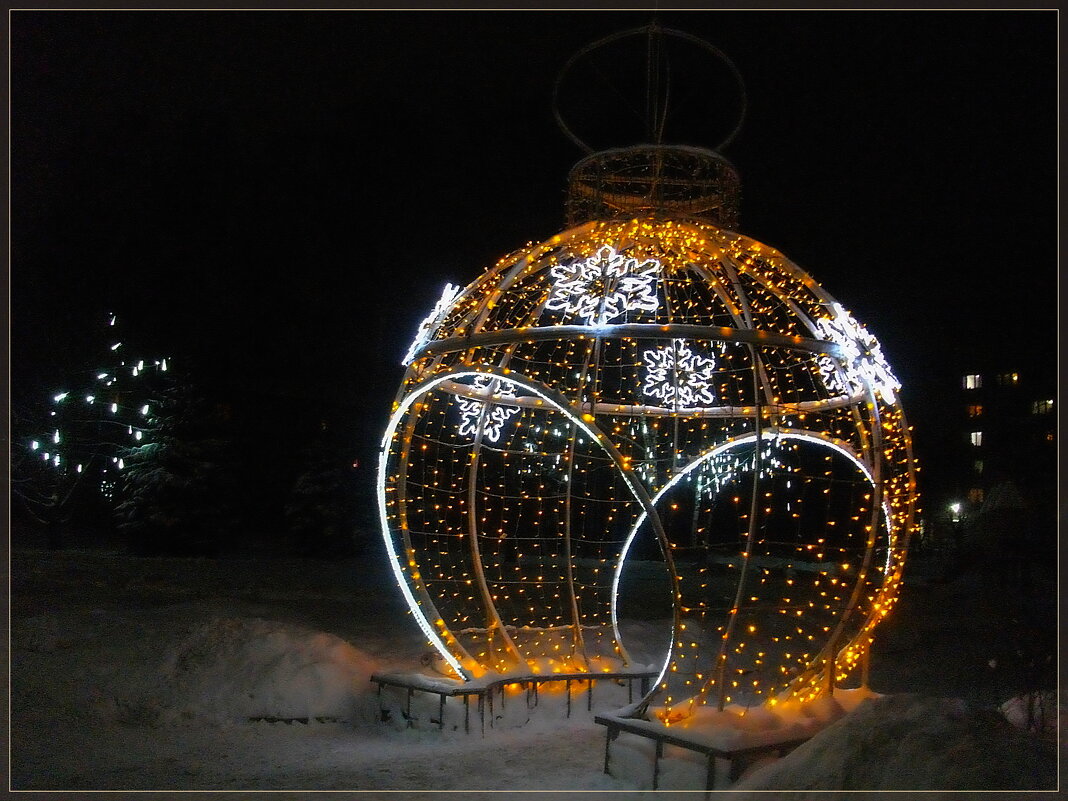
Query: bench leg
{"x": 737, "y": 768}
{"x": 710, "y": 776}
{"x": 656, "y": 763}
{"x": 610, "y": 734}
{"x": 467, "y": 712}
{"x": 441, "y": 713}
{"x": 408, "y": 711}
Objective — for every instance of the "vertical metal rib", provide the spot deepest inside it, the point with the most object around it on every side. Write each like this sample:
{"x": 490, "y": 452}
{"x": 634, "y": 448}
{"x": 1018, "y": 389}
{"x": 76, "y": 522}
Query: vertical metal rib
{"x": 721, "y": 666}
{"x": 416, "y": 579}
{"x": 493, "y": 623}
{"x": 578, "y": 646}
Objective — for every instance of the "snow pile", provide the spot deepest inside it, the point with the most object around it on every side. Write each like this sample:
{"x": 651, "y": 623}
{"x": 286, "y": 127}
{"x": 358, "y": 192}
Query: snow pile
{"x": 234, "y": 669}
{"x": 1036, "y": 712}
{"x": 910, "y": 742}
{"x": 135, "y": 674}
{"x": 736, "y": 727}
{"x": 733, "y": 728}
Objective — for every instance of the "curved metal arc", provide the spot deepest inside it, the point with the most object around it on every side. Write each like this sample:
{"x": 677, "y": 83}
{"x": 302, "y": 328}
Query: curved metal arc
{"x": 510, "y": 275}
{"x": 768, "y": 434}
{"x": 895, "y": 551}
{"x": 402, "y": 513}
{"x": 555, "y": 400}
{"x": 829, "y": 653}
{"x": 780, "y": 261}
{"x": 777, "y": 260}
{"x": 721, "y": 659}
{"x": 649, "y": 29}
{"x": 636, "y": 330}
{"x": 414, "y": 605}
{"x": 495, "y": 624}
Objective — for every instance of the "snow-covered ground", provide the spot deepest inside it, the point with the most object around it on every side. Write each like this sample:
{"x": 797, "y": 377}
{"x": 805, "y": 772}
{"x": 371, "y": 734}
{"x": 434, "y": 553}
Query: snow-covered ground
{"x": 180, "y": 674}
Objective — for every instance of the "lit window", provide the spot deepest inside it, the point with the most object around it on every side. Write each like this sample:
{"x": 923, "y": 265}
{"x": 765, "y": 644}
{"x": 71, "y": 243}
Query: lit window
{"x": 975, "y": 409}
{"x": 1008, "y": 379}
{"x": 1049, "y": 436}
{"x": 975, "y": 495}
{"x": 1042, "y": 407}
{"x": 979, "y": 466}
{"x": 976, "y": 438}
{"x": 973, "y": 381}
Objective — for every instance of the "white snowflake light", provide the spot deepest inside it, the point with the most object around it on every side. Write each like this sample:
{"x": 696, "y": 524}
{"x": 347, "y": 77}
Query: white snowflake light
{"x": 832, "y": 378}
{"x": 678, "y": 376}
{"x": 471, "y": 409}
{"x": 604, "y": 286}
{"x": 430, "y": 323}
{"x": 863, "y": 356}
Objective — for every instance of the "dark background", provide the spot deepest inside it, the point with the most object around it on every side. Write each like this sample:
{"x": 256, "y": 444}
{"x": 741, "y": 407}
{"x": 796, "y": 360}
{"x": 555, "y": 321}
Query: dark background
{"x": 277, "y": 198}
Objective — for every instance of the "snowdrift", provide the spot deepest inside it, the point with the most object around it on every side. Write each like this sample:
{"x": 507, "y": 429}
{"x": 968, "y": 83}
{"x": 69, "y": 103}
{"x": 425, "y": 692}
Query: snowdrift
{"x": 909, "y": 742}
{"x": 166, "y": 674}
{"x": 237, "y": 669}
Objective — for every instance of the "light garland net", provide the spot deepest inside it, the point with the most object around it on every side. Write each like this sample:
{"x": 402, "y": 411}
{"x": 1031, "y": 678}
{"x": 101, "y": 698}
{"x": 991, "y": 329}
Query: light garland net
{"x": 601, "y": 395}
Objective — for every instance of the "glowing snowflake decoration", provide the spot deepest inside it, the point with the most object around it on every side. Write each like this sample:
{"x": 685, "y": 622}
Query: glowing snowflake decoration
{"x": 431, "y": 322}
{"x": 678, "y": 376}
{"x": 604, "y": 286}
{"x": 861, "y": 352}
{"x": 496, "y": 417}
{"x": 832, "y": 377}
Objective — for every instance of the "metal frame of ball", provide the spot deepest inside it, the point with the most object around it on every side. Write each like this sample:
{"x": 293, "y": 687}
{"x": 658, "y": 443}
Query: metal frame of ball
{"x": 895, "y": 546}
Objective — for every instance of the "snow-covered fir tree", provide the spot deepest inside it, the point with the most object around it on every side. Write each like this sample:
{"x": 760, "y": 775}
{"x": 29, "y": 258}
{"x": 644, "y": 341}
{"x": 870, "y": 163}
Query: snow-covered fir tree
{"x": 69, "y": 445}
{"x": 180, "y": 491}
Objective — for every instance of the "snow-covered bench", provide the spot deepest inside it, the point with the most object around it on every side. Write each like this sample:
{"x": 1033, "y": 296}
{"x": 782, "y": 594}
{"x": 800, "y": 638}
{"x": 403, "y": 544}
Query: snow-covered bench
{"x": 738, "y": 758}
{"x": 736, "y": 735}
{"x": 485, "y": 688}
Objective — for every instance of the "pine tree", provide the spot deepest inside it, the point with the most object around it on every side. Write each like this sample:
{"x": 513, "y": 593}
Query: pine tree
{"x": 68, "y": 448}
{"x": 180, "y": 489}
{"x": 129, "y": 442}
{"x": 321, "y": 510}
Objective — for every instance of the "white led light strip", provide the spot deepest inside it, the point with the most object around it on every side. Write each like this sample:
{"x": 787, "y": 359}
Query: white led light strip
{"x": 395, "y": 419}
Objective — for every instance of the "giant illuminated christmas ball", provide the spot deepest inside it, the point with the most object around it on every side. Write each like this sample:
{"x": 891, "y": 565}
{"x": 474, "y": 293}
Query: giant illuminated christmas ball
{"x": 649, "y": 384}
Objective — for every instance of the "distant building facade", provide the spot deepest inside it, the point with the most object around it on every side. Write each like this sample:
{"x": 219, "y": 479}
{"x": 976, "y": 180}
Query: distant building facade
{"x": 1006, "y": 432}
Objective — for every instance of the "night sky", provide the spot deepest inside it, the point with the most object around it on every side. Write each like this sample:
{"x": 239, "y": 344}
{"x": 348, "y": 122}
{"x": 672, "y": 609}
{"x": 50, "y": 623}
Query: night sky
{"x": 278, "y": 197}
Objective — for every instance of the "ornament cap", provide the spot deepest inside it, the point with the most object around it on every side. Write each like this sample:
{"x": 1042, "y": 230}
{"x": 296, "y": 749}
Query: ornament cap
{"x": 674, "y": 181}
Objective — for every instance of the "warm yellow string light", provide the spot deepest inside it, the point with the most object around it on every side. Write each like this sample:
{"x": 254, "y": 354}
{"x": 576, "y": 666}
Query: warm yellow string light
{"x": 831, "y": 526}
